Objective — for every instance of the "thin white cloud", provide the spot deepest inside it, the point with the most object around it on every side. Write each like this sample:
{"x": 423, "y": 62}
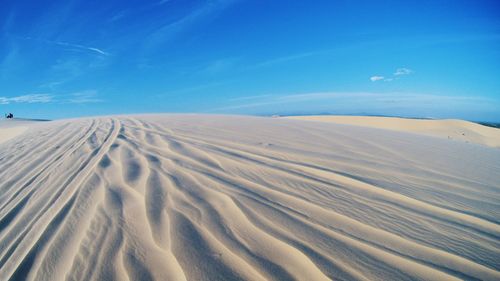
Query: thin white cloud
{"x": 170, "y": 29}
{"x": 266, "y": 100}
{"x": 249, "y": 98}
{"x": 89, "y": 96}
{"x": 192, "y": 89}
{"x": 97, "y": 50}
{"x": 376, "y": 78}
{"x": 81, "y": 47}
{"x": 71, "y": 45}
{"x": 51, "y": 85}
{"x": 403, "y": 71}
{"x": 285, "y": 59}
{"x": 355, "y": 102}
{"x": 395, "y": 76}
{"x": 31, "y": 98}
{"x": 334, "y": 51}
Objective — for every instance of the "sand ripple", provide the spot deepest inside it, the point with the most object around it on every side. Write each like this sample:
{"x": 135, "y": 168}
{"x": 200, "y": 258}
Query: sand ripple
{"x": 243, "y": 198}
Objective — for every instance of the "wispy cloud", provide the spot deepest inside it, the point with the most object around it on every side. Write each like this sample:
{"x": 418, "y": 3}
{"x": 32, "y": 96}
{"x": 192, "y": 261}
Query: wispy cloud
{"x": 81, "y": 47}
{"x": 268, "y": 99}
{"x": 332, "y": 51}
{"x": 89, "y": 96}
{"x": 250, "y": 98}
{"x": 51, "y": 85}
{"x": 284, "y": 59}
{"x": 349, "y": 102}
{"x": 376, "y": 78}
{"x": 31, "y": 98}
{"x": 402, "y": 71}
{"x": 168, "y": 30}
{"x": 90, "y": 49}
{"x": 192, "y": 89}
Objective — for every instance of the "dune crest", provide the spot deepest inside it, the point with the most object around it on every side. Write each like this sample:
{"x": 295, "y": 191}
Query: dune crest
{"x": 192, "y": 197}
{"x": 460, "y": 130}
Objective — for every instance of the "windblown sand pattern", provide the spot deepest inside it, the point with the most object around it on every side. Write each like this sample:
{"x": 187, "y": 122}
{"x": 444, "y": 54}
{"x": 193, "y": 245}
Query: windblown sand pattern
{"x": 190, "y": 197}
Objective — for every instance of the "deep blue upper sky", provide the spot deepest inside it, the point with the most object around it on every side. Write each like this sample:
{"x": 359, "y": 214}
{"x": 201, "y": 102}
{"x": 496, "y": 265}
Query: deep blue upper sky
{"x": 69, "y": 58}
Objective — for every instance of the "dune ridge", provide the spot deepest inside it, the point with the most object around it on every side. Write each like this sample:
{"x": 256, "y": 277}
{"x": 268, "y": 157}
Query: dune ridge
{"x": 458, "y": 130}
{"x": 193, "y": 197}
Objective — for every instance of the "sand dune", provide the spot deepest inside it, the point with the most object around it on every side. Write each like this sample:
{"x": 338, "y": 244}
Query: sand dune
{"x": 9, "y": 130}
{"x": 458, "y": 130}
{"x": 189, "y": 197}
{"x": 9, "y": 133}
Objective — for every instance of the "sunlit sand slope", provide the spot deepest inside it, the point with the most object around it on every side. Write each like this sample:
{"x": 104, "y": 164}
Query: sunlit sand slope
{"x": 458, "y": 130}
{"x": 9, "y": 133}
{"x": 187, "y": 197}
{"x": 11, "y": 129}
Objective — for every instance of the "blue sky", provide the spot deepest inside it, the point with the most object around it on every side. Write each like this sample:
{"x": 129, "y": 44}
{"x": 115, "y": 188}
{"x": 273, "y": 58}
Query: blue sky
{"x": 71, "y": 58}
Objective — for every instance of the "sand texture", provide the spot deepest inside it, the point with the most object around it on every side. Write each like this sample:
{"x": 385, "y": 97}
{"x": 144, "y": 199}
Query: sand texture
{"x": 190, "y": 197}
{"x": 10, "y": 130}
{"x": 457, "y": 130}
{"x": 9, "y": 133}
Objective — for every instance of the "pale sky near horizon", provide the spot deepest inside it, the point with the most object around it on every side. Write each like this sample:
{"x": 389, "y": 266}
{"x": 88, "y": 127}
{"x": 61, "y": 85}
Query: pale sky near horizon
{"x": 61, "y": 59}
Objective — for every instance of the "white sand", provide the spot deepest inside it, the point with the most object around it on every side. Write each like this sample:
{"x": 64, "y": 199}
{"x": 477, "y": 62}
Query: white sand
{"x": 189, "y": 197}
{"x": 450, "y": 129}
{"x": 9, "y": 131}
{"x": 11, "y": 128}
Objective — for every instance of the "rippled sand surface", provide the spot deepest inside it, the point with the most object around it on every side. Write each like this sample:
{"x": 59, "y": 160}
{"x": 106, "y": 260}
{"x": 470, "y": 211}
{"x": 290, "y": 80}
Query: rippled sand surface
{"x": 451, "y": 129}
{"x": 193, "y": 197}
